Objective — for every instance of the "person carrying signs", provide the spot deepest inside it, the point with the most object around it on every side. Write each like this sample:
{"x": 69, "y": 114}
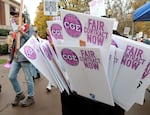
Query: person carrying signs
{"x": 19, "y": 61}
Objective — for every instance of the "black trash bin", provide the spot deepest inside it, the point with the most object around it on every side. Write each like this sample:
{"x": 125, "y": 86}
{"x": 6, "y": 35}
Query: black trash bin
{"x": 74, "y": 104}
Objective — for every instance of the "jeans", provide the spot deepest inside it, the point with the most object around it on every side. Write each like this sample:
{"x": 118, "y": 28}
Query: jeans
{"x": 14, "y": 70}
{"x": 34, "y": 71}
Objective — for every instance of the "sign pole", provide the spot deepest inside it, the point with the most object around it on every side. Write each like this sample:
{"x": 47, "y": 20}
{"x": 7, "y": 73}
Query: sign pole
{"x": 20, "y": 23}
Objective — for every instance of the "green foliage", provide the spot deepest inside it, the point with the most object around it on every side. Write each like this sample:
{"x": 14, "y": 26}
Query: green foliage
{"x": 4, "y": 49}
{"x": 4, "y": 32}
{"x": 122, "y": 11}
{"x": 75, "y": 5}
{"x": 2, "y": 61}
{"x": 40, "y": 20}
{"x": 141, "y": 26}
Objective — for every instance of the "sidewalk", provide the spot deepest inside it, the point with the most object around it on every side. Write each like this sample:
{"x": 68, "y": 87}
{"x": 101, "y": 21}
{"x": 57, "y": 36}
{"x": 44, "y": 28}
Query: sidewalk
{"x": 45, "y": 103}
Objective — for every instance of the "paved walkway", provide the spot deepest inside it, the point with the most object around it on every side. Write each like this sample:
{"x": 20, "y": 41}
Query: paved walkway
{"x": 46, "y": 103}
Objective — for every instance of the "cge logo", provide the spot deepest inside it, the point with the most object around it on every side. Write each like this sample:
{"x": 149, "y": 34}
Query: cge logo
{"x": 70, "y": 57}
{"x": 56, "y": 31}
{"x": 72, "y": 25}
{"x": 30, "y": 53}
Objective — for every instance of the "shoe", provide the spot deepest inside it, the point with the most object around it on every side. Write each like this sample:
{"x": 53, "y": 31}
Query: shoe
{"x": 27, "y": 102}
{"x": 33, "y": 78}
{"x": 37, "y": 76}
{"x": 48, "y": 90}
{"x": 148, "y": 89}
{"x": 18, "y": 98}
{"x": 53, "y": 85}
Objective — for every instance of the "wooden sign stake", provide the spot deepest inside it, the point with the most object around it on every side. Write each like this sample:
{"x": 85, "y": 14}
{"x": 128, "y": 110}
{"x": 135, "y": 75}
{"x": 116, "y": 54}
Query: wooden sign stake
{"x": 20, "y": 24}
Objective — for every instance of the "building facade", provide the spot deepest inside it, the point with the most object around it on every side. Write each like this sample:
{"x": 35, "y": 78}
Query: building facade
{"x": 5, "y": 8}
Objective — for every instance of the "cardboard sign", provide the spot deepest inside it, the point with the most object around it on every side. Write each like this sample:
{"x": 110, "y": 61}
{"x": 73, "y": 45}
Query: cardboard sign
{"x": 133, "y": 63}
{"x": 97, "y": 8}
{"x": 54, "y": 67}
{"x": 111, "y": 63}
{"x": 126, "y": 30}
{"x": 93, "y": 30}
{"x": 31, "y": 50}
{"x": 116, "y": 65}
{"x": 143, "y": 83}
{"x": 86, "y": 72}
{"x": 55, "y": 29}
{"x": 51, "y": 7}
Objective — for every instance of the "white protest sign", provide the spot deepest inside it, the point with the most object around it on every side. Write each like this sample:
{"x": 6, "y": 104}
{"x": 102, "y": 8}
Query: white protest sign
{"x": 86, "y": 72}
{"x": 55, "y": 29}
{"x": 141, "y": 98}
{"x": 140, "y": 34}
{"x": 31, "y": 50}
{"x": 49, "y": 55}
{"x": 144, "y": 82}
{"x": 115, "y": 26}
{"x": 133, "y": 62}
{"x": 111, "y": 64}
{"x": 93, "y": 30}
{"x": 116, "y": 66}
{"x": 97, "y": 8}
{"x": 126, "y": 30}
{"x": 51, "y": 7}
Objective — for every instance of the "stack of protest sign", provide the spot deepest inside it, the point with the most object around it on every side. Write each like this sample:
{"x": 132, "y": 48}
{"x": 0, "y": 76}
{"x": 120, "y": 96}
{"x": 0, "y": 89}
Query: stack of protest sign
{"x": 132, "y": 78}
{"x": 109, "y": 68}
{"x": 42, "y": 56}
{"x": 86, "y": 66}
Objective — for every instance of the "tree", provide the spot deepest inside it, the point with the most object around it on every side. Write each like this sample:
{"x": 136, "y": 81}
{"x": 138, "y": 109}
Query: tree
{"x": 141, "y": 26}
{"x": 75, "y": 5}
{"x": 122, "y": 11}
{"x": 40, "y": 20}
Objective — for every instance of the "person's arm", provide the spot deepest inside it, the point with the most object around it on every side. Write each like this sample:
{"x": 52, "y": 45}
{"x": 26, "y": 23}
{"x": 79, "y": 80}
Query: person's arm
{"x": 28, "y": 34}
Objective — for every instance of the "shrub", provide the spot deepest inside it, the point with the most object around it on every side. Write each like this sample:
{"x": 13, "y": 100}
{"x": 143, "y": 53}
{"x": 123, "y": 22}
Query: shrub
{"x": 4, "y": 49}
{"x": 4, "y": 32}
{"x": 2, "y": 61}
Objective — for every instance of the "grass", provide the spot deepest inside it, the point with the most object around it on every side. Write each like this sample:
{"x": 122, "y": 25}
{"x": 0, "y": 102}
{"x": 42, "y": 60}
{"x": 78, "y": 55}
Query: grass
{"x": 2, "y": 61}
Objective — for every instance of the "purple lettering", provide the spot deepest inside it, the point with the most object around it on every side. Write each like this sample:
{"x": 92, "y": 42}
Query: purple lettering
{"x": 95, "y": 32}
{"x": 132, "y": 57}
{"x": 146, "y": 71}
{"x": 135, "y": 65}
{"x": 91, "y": 65}
{"x": 72, "y": 26}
